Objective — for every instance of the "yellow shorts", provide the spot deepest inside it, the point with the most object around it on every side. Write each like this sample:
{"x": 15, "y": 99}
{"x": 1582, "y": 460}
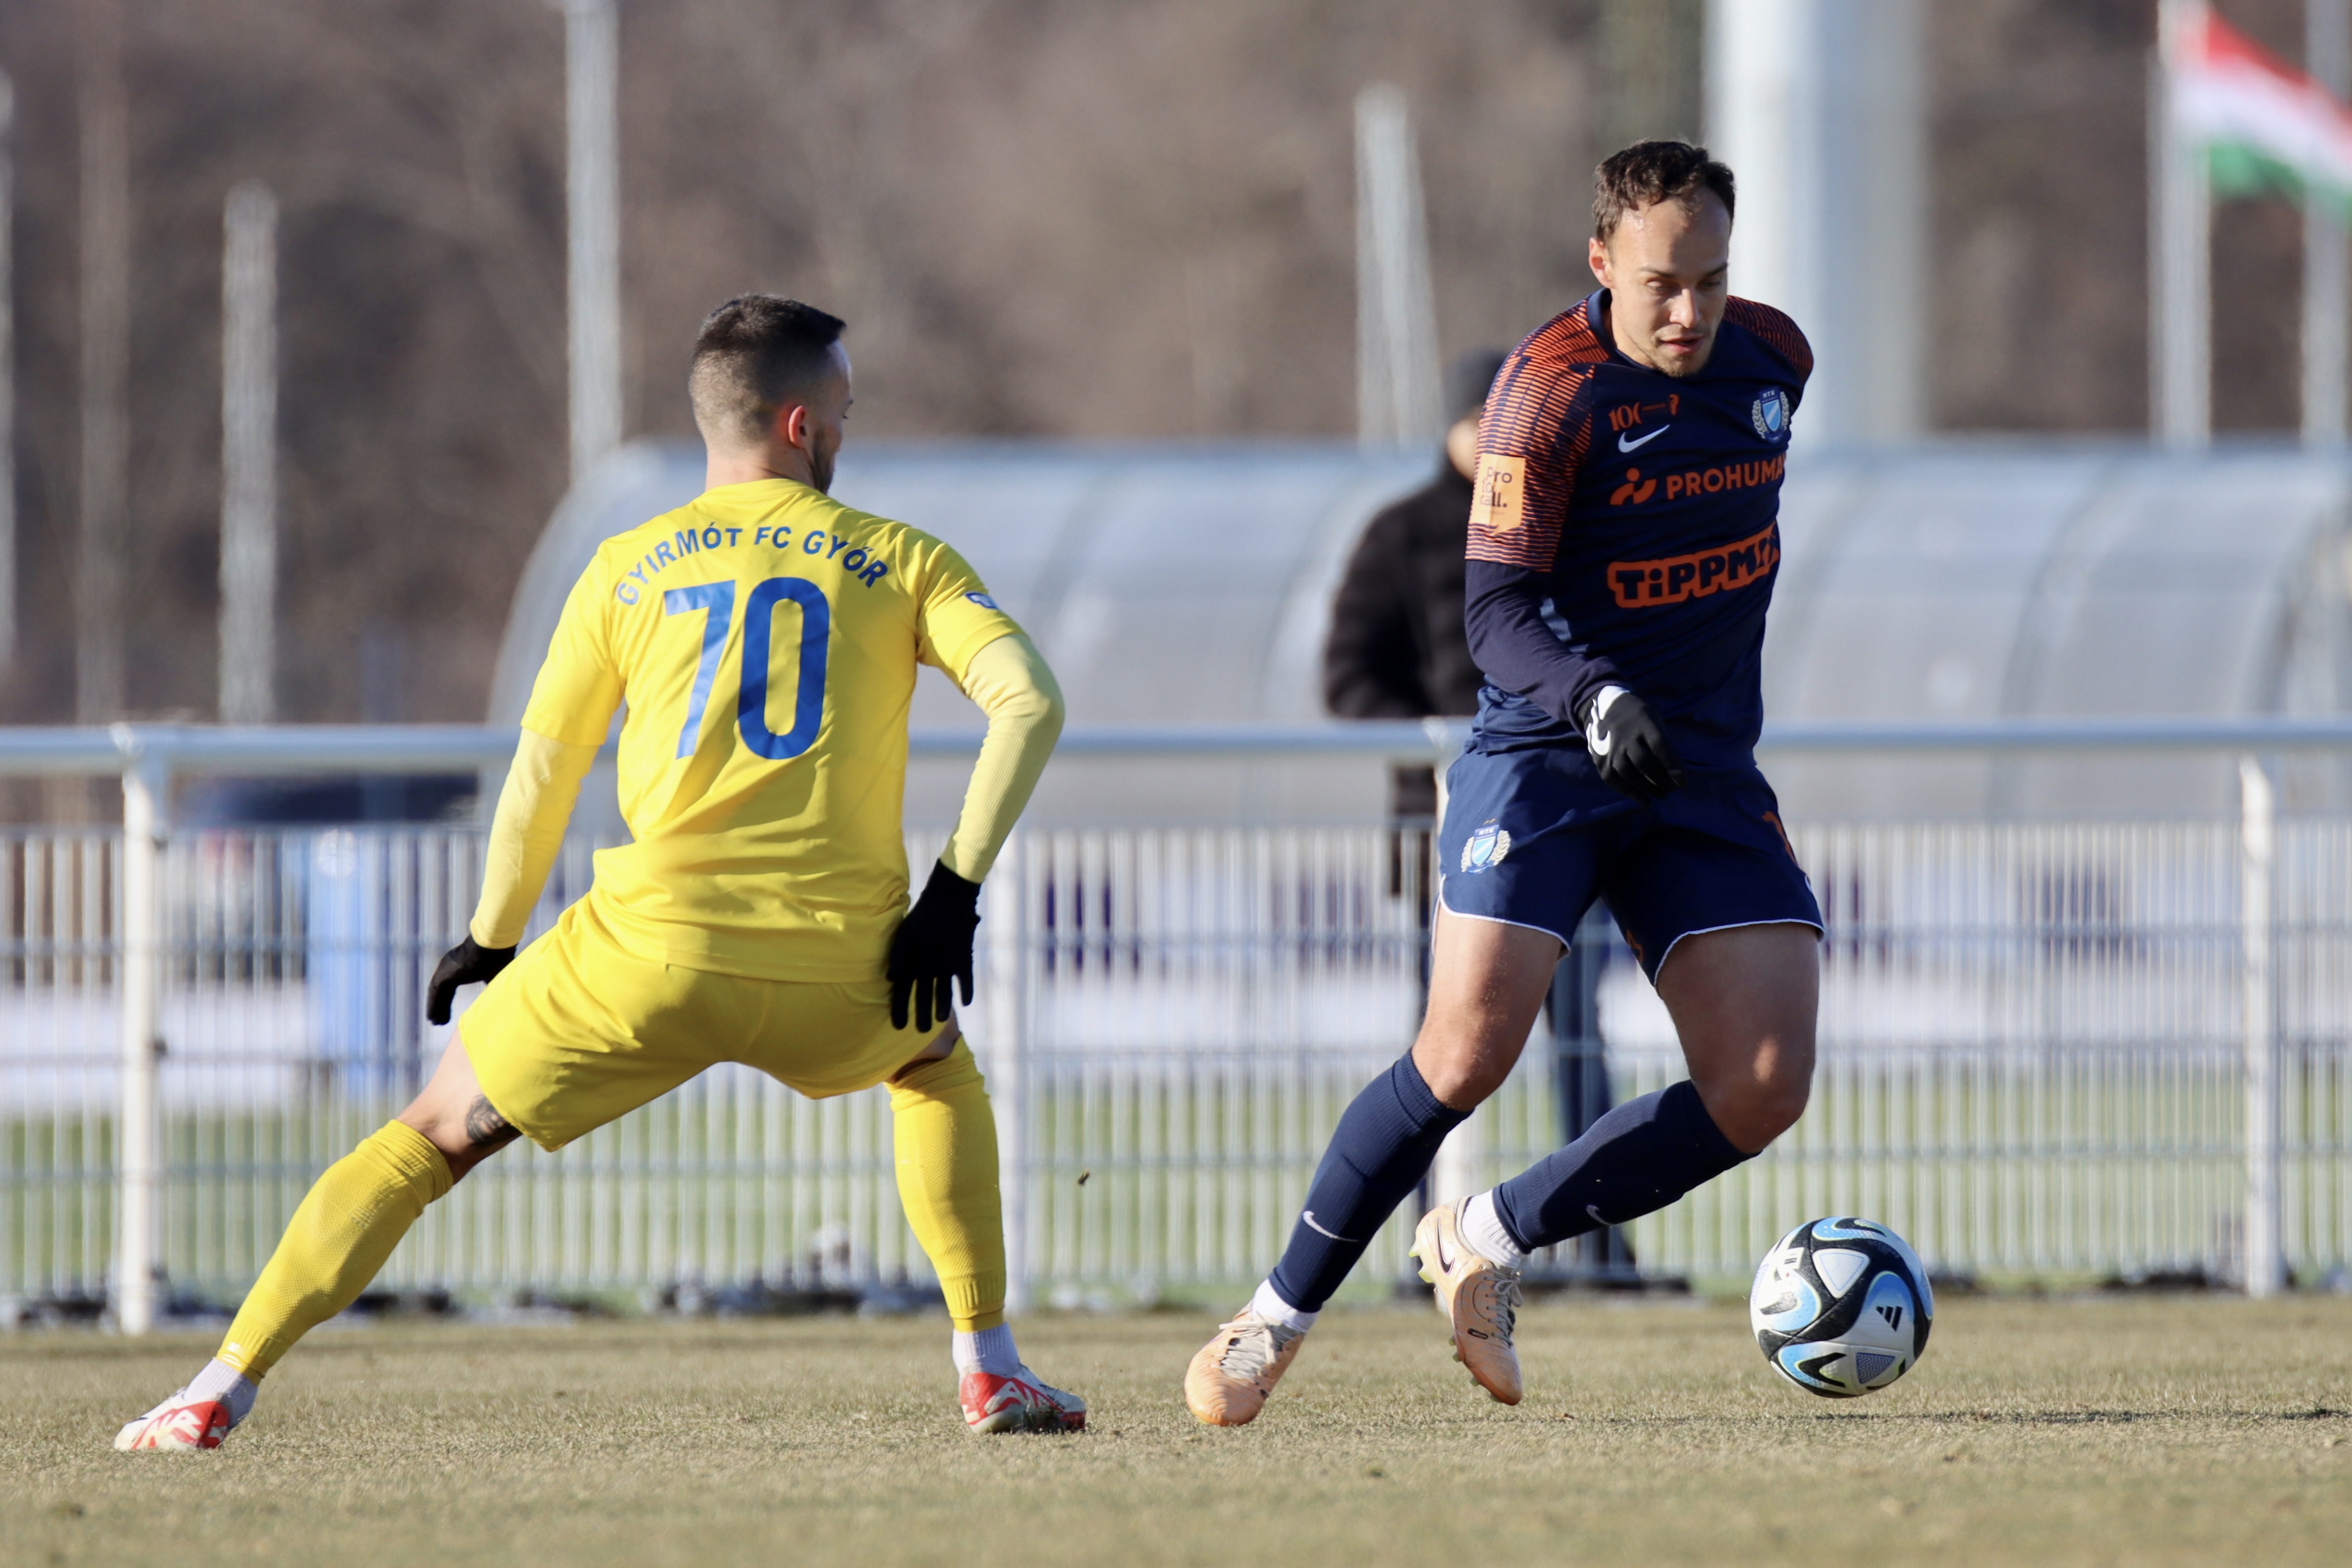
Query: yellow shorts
{"x": 580, "y": 1031}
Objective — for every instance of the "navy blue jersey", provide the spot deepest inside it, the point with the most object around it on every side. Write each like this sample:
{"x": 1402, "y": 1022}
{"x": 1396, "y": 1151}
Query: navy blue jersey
{"x": 1624, "y": 532}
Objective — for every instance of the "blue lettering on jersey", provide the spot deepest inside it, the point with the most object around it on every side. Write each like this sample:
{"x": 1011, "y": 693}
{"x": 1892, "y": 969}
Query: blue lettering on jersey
{"x": 983, "y": 600}
{"x": 857, "y": 561}
{"x": 716, "y": 602}
{"x": 808, "y": 697}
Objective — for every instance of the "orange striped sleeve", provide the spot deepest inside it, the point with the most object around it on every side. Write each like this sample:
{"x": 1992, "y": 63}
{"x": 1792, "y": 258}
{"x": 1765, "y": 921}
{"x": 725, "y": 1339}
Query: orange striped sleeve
{"x": 1776, "y": 331}
{"x": 1532, "y": 440}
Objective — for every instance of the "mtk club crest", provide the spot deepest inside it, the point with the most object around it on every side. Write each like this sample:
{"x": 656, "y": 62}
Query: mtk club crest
{"x": 1486, "y": 847}
{"x": 1771, "y": 413}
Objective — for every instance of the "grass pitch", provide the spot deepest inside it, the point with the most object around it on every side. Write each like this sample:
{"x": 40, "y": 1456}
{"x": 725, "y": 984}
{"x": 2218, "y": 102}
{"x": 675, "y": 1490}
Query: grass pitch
{"x": 2107, "y": 1431}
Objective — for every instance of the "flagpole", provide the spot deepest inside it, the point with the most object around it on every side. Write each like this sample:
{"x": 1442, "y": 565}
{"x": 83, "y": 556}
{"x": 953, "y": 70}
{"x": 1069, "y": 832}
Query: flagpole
{"x": 2180, "y": 304}
{"x": 2327, "y": 60}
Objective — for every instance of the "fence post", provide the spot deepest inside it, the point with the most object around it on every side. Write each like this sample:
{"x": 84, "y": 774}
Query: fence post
{"x": 1005, "y": 1004}
{"x": 139, "y": 1151}
{"x": 2264, "y": 1252}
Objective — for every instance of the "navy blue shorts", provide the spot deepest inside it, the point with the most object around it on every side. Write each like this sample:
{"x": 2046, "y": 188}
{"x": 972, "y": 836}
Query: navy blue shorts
{"x": 1532, "y": 837}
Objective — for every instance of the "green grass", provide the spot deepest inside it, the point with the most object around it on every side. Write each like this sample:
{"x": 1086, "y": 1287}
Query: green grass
{"x": 2075, "y": 1431}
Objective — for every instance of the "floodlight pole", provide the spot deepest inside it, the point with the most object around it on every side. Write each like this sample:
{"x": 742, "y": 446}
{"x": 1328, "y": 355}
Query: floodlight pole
{"x": 2328, "y": 58}
{"x": 2180, "y": 292}
{"x": 1397, "y": 394}
{"x": 1817, "y": 105}
{"x": 101, "y": 572}
{"x": 592, "y": 39}
{"x": 248, "y": 547}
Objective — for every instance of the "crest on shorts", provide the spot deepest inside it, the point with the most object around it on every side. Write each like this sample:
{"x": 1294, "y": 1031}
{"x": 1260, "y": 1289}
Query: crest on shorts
{"x": 1771, "y": 413}
{"x": 1486, "y": 847}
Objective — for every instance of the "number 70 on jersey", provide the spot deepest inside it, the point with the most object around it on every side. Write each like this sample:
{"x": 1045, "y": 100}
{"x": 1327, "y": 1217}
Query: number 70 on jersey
{"x": 715, "y": 602}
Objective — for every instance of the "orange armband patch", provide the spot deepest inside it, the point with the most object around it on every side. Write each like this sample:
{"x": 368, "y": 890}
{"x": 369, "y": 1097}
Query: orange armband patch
{"x": 1498, "y": 501}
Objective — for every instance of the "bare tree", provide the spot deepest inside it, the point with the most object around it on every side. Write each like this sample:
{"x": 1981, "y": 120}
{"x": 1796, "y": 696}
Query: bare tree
{"x": 1042, "y": 217}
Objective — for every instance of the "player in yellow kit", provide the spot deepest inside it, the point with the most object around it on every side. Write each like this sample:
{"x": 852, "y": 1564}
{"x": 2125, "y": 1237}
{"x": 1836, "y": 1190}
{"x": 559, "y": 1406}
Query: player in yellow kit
{"x": 764, "y": 639}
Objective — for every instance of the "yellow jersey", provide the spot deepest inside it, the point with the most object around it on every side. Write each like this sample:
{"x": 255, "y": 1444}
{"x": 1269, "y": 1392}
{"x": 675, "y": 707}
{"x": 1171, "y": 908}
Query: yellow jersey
{"x": 764, "y": 638}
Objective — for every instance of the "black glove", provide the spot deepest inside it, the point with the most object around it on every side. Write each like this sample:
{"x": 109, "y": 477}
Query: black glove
{"x": 467, "y": 964}
{"x": 933, "y": 947}
{"x": 1629, "y": 748}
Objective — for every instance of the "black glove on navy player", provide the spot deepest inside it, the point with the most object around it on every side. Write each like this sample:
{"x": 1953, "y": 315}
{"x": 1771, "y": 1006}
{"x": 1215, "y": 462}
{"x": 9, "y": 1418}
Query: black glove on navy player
{"x": 932, "y": 949}
{"x": 1629, "y": 748}
{"x": 467, "y": 964}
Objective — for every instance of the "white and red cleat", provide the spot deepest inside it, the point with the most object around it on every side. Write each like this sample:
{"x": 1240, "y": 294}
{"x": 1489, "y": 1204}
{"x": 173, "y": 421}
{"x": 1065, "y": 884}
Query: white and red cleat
{"x": 1024, "y": 1403}
{"x": 179, "y": 1424}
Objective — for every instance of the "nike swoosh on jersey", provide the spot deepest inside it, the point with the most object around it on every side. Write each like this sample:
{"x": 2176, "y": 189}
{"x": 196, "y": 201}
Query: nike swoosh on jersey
{"x": 1310, "y": 1218}
{"x": 1625, "y": 444}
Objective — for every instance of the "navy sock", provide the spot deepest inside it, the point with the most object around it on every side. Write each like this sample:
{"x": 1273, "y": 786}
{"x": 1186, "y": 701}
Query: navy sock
{"x": 1639, "y": 1157}
{"x": 1382, "y": 1148}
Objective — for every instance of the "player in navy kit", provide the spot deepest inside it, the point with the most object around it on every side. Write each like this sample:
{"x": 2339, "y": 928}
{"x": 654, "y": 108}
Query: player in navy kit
{"x": 1623, "y": 545}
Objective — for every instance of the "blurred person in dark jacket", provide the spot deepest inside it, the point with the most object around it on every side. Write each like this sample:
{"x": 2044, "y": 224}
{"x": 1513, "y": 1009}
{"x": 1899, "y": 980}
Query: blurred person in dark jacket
{"x": 1396, "y": 648}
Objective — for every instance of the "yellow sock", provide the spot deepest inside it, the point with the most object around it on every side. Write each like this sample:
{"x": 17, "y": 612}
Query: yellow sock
{"x": 347, "y": 1225}
{"x": 946, "y": 1139}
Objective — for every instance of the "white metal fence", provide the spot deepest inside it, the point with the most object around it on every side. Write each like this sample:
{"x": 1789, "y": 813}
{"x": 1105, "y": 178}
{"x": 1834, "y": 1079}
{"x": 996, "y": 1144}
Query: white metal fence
{"x": 2045, "y": 1048}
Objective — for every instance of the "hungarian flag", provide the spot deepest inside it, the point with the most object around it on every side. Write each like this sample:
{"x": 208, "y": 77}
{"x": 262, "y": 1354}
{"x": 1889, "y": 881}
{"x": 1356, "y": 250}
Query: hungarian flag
{"x": 2265, "y": 125}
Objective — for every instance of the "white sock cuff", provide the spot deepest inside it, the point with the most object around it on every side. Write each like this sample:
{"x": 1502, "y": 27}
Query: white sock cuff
{"x": 1481, "y": 1228}
{"x": 987, "y": 1350}
{"x": 1268, "y": 1304}
{"x": 221, "y": 1381}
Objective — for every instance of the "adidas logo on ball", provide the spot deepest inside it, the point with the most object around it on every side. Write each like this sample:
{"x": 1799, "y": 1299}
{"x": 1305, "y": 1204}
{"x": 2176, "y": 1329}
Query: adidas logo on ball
{"x": 1842, "y": 1307}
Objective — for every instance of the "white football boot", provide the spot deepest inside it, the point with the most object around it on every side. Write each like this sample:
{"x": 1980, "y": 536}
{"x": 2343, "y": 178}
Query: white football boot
{"x": 1233, "y": 1374}
{"x": 182, "y": 1423}
{"x": 1023, "y": 1402}
{"x": 198, "y": 1416}
{"x": 1479, "y": 1297}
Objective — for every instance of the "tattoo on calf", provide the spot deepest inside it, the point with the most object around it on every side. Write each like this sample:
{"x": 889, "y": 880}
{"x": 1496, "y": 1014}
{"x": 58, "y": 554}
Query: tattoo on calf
{"x": 484, "y": 1126}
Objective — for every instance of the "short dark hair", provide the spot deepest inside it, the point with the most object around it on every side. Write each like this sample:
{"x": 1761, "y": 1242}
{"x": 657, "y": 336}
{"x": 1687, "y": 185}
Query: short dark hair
{"x": 751, "y": 354}
{"x": 1652, "y": 171}
{"x": 1469, "y": 380}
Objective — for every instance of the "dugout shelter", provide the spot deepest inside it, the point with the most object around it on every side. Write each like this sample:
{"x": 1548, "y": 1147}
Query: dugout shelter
{"x": 1961, "y": 580}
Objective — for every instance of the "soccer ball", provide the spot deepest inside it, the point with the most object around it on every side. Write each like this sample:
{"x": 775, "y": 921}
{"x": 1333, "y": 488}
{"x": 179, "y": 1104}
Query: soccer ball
{"x": 1842, "y": 1307}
